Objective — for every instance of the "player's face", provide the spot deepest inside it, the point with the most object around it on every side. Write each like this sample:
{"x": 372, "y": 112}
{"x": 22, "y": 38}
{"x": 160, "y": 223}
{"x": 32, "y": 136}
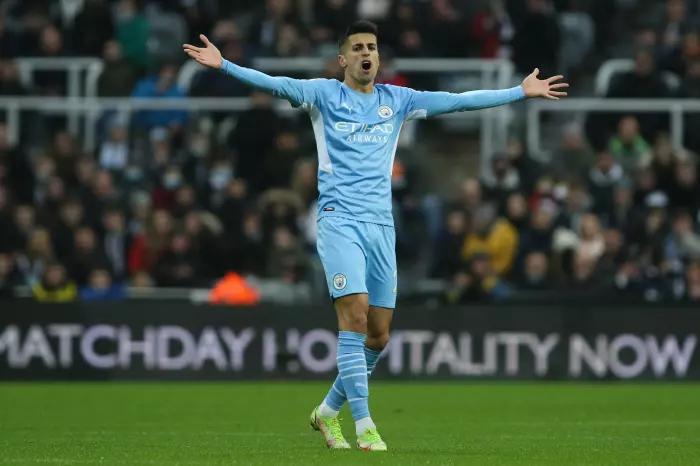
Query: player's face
{"x": 360, "y": 57}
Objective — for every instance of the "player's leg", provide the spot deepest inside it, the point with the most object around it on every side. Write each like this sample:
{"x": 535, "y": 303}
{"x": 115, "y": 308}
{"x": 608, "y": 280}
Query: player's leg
{"x": 343, "y": 259}
{"x": 381, "y": 285}
{"x": 378, "y": 327}
{"x": 378, "y": 324}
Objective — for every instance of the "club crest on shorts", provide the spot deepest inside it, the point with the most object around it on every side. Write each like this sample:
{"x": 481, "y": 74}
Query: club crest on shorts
{"x": 385, "y": 111}
{"x": 339, "y": 281}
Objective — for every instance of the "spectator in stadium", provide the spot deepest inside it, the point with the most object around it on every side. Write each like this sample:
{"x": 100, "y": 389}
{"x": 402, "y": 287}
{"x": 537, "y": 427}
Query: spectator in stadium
{"x": 628, "y": 146}
{"x": 70, "y": 217}
{"x": 93, "y": 27}
{"x": 254, "y": 135}
{"x": 447, "y": 250}
{"x": 404, "y": 34}
{"x": 528, "y": 169}
{"x": 9, "y": 275}
{"x": 286, "y": 259}
{"x": 683, "y": 242}
{"x": 179, "y": 265}
{"x": 38, "y": 252}
{"x": 116, "y": 241}
{"x": 51, "y": 82}
{"x": 644, "y": 81}
{"x": 150, "y": 245}
{"x": 54, "y": 286}
{"x": 692, "y": 282}
{"x": 690, "y": 88}
{"x": 119, "y": 74}
{"x": 101, "y": 193}
{"x": 330, "y": 19}
{"x": 160, "y": 85}
{"x": 268, "y": 23}
{"x": 10, "y": 83}
{"x": 114, "y": 151}
{"x": 212, "y": 83}
{"x": 469, "y": 195}
{"x": 479, "y": 282}
{"x": 591, "y": 244}
{"x": 280, "y": 162}
{"x": 574, "y": 156}
{"x": 536, "y": 39}
{"x": 493, "y": 31}
{"x": 101, "y": 287}
{"x": 447, "y": 28}
{"x": 672, "y": 30}
{"x": 18, "y": 174}
{"x": 663, "y": 162}
{"x": 685, "y": 192}
{"x": 535, "y": 275}
{"x": 65, "y": 154}
{"x": 24, "y": 218}
{"x": 537, "y": 236}
{"x": 517, "y": 211}
{"x": 602, "y": 179}
{"x": 502, "y": 180}
{"x": 493, "y": 236}
{"x": 87, "y": 255}
{"x": 132, "y": 32}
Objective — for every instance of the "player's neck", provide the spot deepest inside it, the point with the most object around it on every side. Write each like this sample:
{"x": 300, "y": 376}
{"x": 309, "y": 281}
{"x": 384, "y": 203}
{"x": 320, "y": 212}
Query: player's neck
{"x": 359, "y": 87}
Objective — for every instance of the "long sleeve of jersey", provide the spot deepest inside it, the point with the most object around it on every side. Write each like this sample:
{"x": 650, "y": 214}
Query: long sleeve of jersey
{"x": 427, "y": 104}
{"x": 296, "y": 91}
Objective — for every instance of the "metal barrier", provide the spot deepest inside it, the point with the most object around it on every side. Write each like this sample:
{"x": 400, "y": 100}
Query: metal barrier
{"x": 615, "y": 66}
{"x": 92, "y": 108}
{"x": 675, "y": 107}
{"x": 74, "y": 67}
{"x": 492, "y": 74}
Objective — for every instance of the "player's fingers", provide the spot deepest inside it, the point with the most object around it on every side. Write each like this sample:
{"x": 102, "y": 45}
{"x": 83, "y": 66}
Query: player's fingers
{"x": 559, "y": 86}
{"x": 551, "y": 97}
{"x": 535, "y": 72}
{"x": 555, "y": 78}
{"x": 205, "y": 40}
{"x": 191, "y": 48}
{"x": 559, "y": 94}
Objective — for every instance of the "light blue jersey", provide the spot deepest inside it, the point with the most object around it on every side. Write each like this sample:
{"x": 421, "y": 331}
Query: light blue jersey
{"x": 357, "y": 133}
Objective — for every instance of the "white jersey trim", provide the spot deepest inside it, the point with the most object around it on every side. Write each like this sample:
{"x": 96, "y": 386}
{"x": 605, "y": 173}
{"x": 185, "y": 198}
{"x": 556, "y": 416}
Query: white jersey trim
{"x": 419, "y": 114}
{"x": 324, "y": 160}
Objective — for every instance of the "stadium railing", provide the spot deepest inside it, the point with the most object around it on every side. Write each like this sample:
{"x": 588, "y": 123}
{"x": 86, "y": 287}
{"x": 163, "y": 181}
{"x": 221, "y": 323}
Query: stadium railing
{"x": 676, "y": 108}
{"x": 613, "y": 67}
{"x": 84, "y": 72}
{"x": 75, "y": 68}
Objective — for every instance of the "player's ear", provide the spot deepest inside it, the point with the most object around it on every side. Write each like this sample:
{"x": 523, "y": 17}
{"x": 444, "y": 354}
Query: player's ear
{"x": 342, "y": 61}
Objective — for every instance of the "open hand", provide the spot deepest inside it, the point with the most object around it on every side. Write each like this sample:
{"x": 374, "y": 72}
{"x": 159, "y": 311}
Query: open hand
{"x": 546, "y": 88}
{"x": 208, "y": 55}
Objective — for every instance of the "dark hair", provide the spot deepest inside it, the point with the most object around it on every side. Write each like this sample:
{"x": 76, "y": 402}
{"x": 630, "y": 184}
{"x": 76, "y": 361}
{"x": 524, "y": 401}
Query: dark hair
{"x": 361, "y": 26}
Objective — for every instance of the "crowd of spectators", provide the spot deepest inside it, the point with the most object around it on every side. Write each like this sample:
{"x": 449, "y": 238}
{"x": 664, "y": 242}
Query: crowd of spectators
{"x": 171, "y": 199}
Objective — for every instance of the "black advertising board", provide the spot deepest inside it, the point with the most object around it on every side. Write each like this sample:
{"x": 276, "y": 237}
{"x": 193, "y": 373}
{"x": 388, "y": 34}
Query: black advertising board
{"x": 153, "y": 340}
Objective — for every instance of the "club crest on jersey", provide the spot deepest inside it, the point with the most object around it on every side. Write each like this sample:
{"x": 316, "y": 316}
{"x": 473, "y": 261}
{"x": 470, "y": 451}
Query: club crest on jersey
{"x": 339, "y": 281}
{"x": 385, "y": 111}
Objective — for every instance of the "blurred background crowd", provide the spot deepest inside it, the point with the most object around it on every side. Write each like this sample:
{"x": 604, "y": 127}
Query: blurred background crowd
{"x": 173, "y": 199}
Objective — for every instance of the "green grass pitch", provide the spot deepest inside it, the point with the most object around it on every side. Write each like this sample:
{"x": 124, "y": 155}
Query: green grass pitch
{"x": 423, "y": 423}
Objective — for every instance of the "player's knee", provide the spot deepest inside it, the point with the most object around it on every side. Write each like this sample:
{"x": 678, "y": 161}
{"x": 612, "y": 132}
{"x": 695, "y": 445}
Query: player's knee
{"x": 357, "y": 320}
{"x": 378, "y": 342}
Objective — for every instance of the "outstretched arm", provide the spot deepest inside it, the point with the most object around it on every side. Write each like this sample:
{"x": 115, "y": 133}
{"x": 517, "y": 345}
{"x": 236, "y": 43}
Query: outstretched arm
{"x": 427, "y": 104}
{"x": 297, "y": 91}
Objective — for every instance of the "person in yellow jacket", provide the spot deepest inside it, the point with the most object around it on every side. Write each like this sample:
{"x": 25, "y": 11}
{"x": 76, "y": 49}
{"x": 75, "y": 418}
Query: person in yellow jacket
{"x": 55, "y": 287}
{"x": 493, "y": 236}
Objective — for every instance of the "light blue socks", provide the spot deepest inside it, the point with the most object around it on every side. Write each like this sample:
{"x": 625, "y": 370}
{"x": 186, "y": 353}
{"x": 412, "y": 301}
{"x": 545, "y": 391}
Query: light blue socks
{"x": 337, "y": 395}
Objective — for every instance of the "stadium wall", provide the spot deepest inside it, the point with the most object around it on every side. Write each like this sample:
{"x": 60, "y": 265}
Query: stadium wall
{"x": 180, "y": 341}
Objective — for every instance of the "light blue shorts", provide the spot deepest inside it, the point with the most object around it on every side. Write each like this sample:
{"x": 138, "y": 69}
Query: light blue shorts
{"x": 358, "y": 257}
